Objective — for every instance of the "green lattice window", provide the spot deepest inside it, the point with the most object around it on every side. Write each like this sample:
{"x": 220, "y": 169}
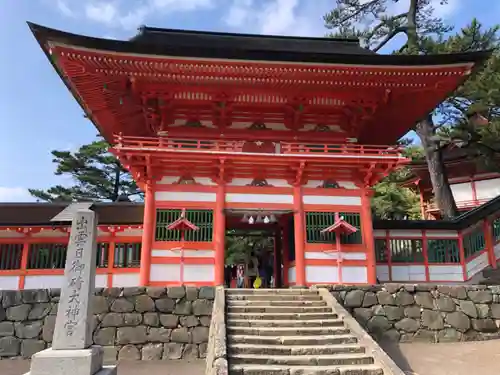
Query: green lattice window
{"x": 443, "y": 251}
{"x": 474, "y": 242}
{"x": 317, "y": 221}
{"x": 406, "y": 251}
{"x": 496, "y": 229}
{"x": 127, "y": 255}
{"x": 201, "y": 218}
{"x": 380, "y": 250}
{"x": 10, "y": 256}
{"x": 102, "y": 255}
{"x": 47, "y": 256}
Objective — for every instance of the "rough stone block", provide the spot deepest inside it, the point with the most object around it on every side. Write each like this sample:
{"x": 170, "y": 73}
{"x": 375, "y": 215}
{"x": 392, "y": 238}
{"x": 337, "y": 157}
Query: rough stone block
{"x": 202, "y": 350}
{"x": 432, "y": 320}
{"x": 165, "y": 305}
{"x": 362, "y": 315}
{"x": 133, "y": 291}
{"x": 425, "y": 300}
{"x": 483, "y": 311}
{"x": 159, "y": 334}
{"x": 99, "y": 305}
{"x": 169, "y": 320}
{"x": 156, "y": 292}
{"x": 189, "y": 321}
{"x": 172, "y": 350}
{"x": 144, "y": 303}
{"x": 176, "y": 292}
{"x": 151, "y": 319}
{"x": 11, "y": 298}
{"x": 129, "y": 352}
{"x": 190, "y": 352}
{"x": 392, "y": 288}
{"x": 9, "y": 346}
{"x": 28, "y": 330}
{"x": 183, "y": 307}
{"x": 480, "y": 296}
{"x": 105, "y": 336}
{"x": 378, "y": 324}
{"x": 35, "y": 295}
{"x": 403, "y": 298}
{"x": 18, "y": 313}
{"x": 122, "y": 305}
{"x": 191, "y": 293}
{"x": 495, "y": 310}
{"x": 394, "y": 312}
{"x": 202, "y": 307}
{"x": 39, "y": 311}
{"x": 385, "y": 298}
{"x": 369, "y": 299}
{"x": 132, "y": 319}
{"x": 152, "y": 352}
{"x": 445, "y": 304}
{"x": 458, "y": 320}
{"x": 131, "y": 335}
{"x": 200, "y": 335}
{"x": 408, "y": 325}
{"x": 354, "y": 298}
{"x": 48, "y": 328}
{"x": 205, "y": 321}
{"x": 449, "y": 335}
{"x": 110, "y": 353}
{"x": 484, "y": 325}
{"x": 74, "y": 362}
{"x": 207, "y": 292}
{"x": 6, "y": 329}
{"x": 181, "y": 335}
{"x": 112, "y": 320}
{"x": 30, "y": 347}
{"x": 468, "y": 308}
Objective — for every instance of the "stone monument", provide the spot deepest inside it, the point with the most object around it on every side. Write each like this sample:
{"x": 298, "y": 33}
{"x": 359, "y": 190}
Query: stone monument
{"x": 72, "y": 352}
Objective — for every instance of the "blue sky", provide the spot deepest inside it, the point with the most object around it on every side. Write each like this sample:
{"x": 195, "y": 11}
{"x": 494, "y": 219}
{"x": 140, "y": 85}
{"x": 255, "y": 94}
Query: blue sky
{"x": 38, "y": 114}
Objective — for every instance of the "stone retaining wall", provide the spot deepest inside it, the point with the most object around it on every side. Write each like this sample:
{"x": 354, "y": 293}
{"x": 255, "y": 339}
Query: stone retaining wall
{"x": 131, "y": 323}
{"x": 424, "y": 312}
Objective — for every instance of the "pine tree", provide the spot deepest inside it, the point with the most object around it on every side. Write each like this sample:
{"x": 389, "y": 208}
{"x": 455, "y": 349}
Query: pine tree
{"x": 377, "y": 23}
{"x": 97, "y": 176}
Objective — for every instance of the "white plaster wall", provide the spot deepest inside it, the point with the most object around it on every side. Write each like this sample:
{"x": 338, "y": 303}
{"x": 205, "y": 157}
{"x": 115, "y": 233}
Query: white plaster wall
{"x": 383, "y": 273}
{"x": 9, "y": 282}
{"x": 274, "y": 182}
{"x": 101, "y": 281}
{"x": 130, "y": 232}
{"x": 178, "y": 196}
{"x": 50, "y": 233}
{"x": 354, "y": 274}
{"x": 441, "y": 233}
{"x": 477, "y": 264}
{"x": 379, "y": 233}
{"x": 334, "y": 255}
{"x": 497, "y": 250}
{"x": 396, "y": 233}
{"x": 42, "y": 282}
{"x": 165, "y": 272}
{"x": 199, "y": 272}
{"x": 342, "y": 184}
{"x": 331, "y": 200}
{"x": 446, "y": 273}
{"x": 291, "y": 274}
{"x": 408, "y": 273}
{"x": 488, "y": 189}
{"x": 186, "y": 253}
{"x": 126, "y": 279}
{"x": 259, "y": 198}
{"x": 462, "y": 192}
{"x": 321, "y": 274}
{"x": 10, "y": 234}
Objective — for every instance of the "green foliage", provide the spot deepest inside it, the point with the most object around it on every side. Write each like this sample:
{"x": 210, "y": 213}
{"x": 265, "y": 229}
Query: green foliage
{"x": 239, "y": 247}
{"x": 96, "y": 173}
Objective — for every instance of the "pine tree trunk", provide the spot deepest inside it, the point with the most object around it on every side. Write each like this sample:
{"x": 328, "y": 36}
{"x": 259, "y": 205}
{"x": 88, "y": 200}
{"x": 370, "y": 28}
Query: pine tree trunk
{"x": 437, "y": 170}
{"x": 116, "y": 187}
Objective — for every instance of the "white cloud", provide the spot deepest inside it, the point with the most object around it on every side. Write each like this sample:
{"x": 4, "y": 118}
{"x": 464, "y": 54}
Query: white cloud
{"x": 278, "y": 17}
{"x": 118, "y": 13}
{"x": 15, "y": 194}
{"x": 63, "y": 7}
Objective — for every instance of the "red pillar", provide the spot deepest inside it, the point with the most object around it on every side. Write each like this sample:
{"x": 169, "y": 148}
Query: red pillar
{"x": 489, "y": 242}
{"x": 148, "y": 232}
{"x": 299, "y": 231}
{"x": 286, "y": 249}
{"x": 367, "y": 232}
{"x": 219, "y": 234}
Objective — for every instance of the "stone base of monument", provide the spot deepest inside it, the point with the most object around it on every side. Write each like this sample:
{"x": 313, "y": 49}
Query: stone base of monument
{"x": 70, "y": 362}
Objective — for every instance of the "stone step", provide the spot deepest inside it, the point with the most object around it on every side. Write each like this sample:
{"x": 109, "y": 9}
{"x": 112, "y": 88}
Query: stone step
{"x": 343, "y": 359}
{"x": 338, "y": 339}
{"x": 271, "y": 292}
{"x": 302, "y": 370}
{"x": 274, "y": 297}
{"x": 285, "y": 323}
{"x": 294, "y": 349}
{"x": 279, "y": 309}
{"x": 287, "y": 331}
{"x": 259, "y": 303}
{"x": 282, "y": 316}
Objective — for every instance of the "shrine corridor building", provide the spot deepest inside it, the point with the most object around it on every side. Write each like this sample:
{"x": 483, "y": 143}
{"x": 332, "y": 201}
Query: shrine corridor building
{"x": 224, "y": 130}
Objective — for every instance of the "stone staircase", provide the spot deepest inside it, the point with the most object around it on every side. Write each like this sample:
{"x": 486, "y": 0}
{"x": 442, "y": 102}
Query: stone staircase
{"x": 290, "y": 332}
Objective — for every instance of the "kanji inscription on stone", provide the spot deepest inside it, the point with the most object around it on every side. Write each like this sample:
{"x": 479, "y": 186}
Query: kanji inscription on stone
{"x": 73, "y": 328}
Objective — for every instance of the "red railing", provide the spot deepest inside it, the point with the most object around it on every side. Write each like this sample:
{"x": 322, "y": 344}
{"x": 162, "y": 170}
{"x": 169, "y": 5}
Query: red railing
{"x": 241, "y": 146}
{"x": 461, "y": 205}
